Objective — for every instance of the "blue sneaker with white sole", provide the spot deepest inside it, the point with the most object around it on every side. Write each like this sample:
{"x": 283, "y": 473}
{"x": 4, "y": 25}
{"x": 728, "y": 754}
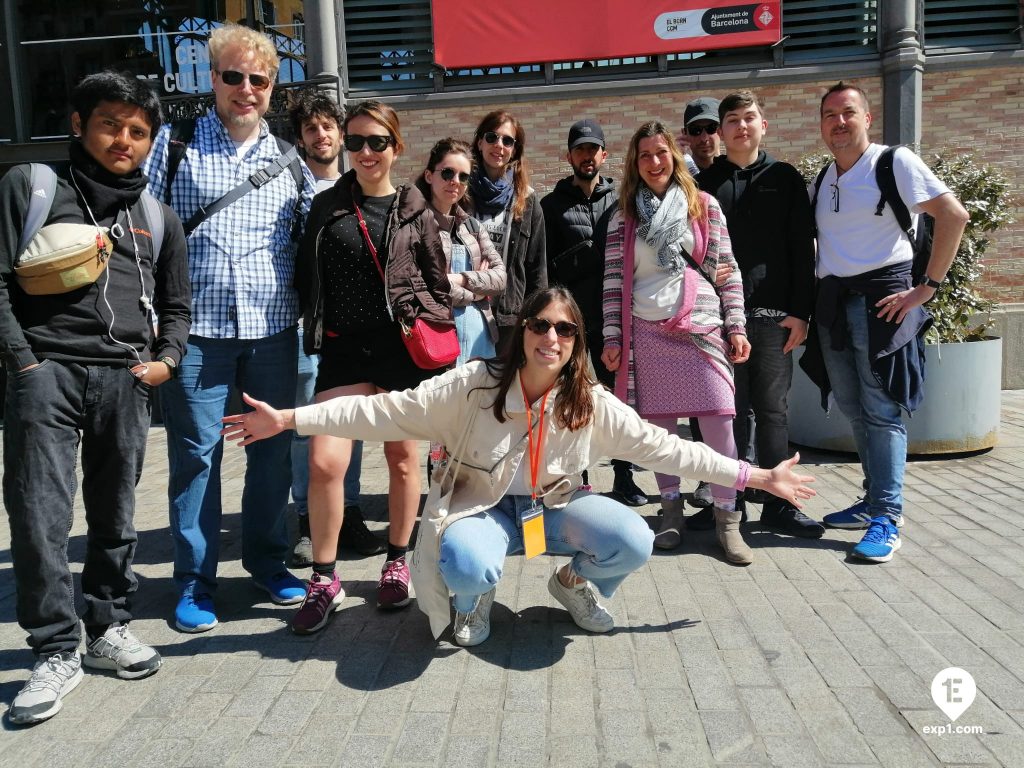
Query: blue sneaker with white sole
{"x": 855, "y": 517}
{"x": 283, "y": 588}
{"x": 194, "y": 612}
{"x": 880, "y": 542}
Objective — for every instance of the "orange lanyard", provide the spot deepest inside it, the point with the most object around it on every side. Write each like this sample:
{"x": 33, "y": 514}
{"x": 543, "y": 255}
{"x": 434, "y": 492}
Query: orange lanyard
{"x": 534, "y": 453}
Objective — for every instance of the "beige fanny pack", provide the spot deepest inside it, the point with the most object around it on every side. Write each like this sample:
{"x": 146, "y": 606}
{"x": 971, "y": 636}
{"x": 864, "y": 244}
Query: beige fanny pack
{"x": 62, "y": 258}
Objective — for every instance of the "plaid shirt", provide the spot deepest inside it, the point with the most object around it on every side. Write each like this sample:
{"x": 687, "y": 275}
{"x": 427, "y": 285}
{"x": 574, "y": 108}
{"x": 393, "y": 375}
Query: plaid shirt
{"x": 241, "y": 259}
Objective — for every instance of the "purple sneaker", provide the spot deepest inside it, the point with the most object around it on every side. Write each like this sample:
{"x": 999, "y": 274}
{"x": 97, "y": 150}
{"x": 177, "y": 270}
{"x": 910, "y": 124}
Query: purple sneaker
{"x": 393, "y": 587}
{"x": 323, "y": 598}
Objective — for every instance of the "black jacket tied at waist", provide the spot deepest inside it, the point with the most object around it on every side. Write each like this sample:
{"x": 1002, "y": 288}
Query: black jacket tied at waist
{"x": 896, "y": 350}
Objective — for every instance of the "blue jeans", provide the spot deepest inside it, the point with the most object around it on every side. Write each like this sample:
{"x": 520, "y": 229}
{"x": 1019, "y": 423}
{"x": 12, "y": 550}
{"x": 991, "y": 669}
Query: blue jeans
{"x": 304, "y": 392}
{"x": 51, "y": 410}
{"x": 607, "y": 541}
{"x": 875, "y": 418}
{"x": 193, "y": 405}
{"x": 763, "y": 383}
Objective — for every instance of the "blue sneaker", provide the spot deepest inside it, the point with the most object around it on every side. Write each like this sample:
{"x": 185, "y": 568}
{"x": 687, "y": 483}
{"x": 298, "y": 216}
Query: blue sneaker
{"x": 194, "y": 612}
{"x": 283, "y": 588}
{"x": 879, "y": 543}
{"x": 854, "y": 518}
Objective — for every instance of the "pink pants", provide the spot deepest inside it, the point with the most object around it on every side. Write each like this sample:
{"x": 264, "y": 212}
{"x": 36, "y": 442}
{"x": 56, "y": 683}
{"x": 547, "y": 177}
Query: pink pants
{"x": 717, "y": 433}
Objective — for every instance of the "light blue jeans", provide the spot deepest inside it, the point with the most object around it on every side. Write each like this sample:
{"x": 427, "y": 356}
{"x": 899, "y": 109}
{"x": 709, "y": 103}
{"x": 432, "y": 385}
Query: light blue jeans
{"x": 875, "y": 417}
{"x": 193, "y": 405}
{"x": 607, "y": 542}
{"x": 304, "y": 391}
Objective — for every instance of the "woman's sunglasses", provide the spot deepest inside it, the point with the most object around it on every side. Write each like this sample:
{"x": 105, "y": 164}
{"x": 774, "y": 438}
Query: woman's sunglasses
{"x": 232, "y": 77}
{"x": 448, "y": 174}
{"x": 354, "y": 142}
{"x": 563, "y": 328}
{"x": 490, "y": 137}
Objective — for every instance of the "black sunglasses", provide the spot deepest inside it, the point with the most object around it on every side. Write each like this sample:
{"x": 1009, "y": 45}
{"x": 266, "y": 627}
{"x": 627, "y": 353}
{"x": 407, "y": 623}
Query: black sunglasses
{"x": 697, "y": 130}
{"x": 232, "y": 77}
{"x": 354, "y": 142}
{"x": 563, "y": 328}
{"x": 450, "y": 173}
{"x": 490, "y": 137}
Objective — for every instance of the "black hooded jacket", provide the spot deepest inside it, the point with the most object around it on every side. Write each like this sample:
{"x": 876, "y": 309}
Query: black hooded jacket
{"x": 771, "y": 227}
{"x": 575, "y": 228}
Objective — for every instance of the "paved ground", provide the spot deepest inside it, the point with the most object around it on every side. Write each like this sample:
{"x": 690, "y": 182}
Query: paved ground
{"x": 805, "y": 658}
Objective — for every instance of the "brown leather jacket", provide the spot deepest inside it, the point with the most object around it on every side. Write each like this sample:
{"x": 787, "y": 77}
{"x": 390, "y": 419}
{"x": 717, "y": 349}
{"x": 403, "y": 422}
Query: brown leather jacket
{"x": 416, "y": 271}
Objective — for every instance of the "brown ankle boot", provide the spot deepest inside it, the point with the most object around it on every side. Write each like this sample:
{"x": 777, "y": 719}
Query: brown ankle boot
{"x": 727, "y": 526}
{"x": 668, "y": 536}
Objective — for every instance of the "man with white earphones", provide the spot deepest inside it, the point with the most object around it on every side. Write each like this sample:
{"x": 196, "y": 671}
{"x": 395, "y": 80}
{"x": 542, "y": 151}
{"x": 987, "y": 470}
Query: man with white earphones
{"x": 83, "y": 356}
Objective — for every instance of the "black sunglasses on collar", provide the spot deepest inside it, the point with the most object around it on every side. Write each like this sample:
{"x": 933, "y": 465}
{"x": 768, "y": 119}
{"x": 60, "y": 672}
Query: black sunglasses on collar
{"x": 233, "y": 77}
{"x": 354, "y": 142}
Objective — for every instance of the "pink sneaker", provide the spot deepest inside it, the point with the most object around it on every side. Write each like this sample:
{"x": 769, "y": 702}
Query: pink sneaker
{"x": 323, "y": 598}
{"x": 393, "y": 587}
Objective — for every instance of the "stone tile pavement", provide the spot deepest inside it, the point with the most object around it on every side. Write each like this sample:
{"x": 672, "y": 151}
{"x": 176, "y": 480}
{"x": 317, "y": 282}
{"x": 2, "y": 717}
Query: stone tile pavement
{"x": 803, "y": 659}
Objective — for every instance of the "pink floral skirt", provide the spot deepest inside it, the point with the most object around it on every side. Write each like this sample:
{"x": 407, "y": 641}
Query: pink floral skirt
{"x": 674, "y": 378}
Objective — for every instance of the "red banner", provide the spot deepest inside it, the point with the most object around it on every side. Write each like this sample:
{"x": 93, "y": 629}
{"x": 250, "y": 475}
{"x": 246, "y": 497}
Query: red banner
{"x": 488, "y": 33}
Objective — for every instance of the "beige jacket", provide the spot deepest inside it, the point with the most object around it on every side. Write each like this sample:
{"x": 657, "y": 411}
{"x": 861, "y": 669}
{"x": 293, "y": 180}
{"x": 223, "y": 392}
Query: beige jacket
{"x": 438, "y": 409}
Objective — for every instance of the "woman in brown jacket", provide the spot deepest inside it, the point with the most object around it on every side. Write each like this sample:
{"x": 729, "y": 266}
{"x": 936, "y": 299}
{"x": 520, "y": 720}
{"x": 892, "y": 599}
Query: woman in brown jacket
{"x": 370, "y": 259}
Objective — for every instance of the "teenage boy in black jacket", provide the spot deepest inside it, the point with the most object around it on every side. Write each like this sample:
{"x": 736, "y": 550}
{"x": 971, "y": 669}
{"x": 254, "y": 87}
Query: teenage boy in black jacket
{"x": 576, "y": 217}
{"x": 770, "y": 224}
{"x": 81, "y": 366}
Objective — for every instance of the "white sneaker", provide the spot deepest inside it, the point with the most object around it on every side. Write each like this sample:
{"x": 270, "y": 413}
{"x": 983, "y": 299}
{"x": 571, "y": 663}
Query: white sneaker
{"x": 119, "y": 650}
{"x": 52, "y": 679}
{"x": 582, "y": 605}
{"x": 474, "y": 627}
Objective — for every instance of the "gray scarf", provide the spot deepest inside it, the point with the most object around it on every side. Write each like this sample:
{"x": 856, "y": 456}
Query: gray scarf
{"x": 663, "y": 224}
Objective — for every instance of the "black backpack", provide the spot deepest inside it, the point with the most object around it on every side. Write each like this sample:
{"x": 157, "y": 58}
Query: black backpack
{"x": 885, "y": 178}
{"x": 182, "y": 132}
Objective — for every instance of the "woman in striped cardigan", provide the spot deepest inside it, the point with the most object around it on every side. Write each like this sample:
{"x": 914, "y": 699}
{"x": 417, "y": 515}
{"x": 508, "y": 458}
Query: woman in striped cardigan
{"x": 671, "y": 330}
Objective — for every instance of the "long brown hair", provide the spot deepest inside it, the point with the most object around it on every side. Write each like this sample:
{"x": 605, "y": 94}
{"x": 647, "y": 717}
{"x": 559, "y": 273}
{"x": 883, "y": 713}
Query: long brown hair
{"x": 631, "y": 180}
{"x": 574, "y": 403}
{"x": 520, "y": 175}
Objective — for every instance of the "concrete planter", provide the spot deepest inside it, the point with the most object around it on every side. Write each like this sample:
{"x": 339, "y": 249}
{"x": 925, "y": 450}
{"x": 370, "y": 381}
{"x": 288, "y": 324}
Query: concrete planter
{"x": 960, "y": 411}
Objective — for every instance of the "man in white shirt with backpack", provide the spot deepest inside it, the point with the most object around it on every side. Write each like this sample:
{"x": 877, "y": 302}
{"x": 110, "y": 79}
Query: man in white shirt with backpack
{"x": 866, "y": 342}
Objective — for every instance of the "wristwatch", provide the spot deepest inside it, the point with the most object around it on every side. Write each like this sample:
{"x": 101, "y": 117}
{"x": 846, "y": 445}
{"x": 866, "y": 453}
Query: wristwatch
{"x": 171, "y": 365}
{"x": 925, "y": 280}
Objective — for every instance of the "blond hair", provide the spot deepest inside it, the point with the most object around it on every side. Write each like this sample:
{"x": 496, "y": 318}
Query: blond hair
{"x": 631, "y": 180}
{"x": 249, "y": 40}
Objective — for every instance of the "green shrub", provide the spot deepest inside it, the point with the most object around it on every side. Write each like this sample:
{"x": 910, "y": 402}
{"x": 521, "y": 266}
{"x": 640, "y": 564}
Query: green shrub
{"x": 984, "y": 192}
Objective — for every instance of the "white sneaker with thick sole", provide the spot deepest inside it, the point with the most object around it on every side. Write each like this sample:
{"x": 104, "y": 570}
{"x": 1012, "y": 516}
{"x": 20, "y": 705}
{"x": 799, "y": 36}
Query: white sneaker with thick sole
{"x": 118, "y": 650}
{"x": 474, "y": 627}
{"x": 581, "y": 603}
{"x": 53, "y": 678}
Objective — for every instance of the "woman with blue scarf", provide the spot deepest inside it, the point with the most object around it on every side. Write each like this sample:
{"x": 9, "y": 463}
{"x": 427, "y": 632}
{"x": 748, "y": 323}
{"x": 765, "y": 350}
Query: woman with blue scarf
{"x": 507, "y": 206}
{"x": 673, "y": 331}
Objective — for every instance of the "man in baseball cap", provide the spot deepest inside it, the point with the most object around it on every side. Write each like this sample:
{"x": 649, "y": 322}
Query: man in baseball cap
{"x": 700, "y": 131}
{"x": 576, "y": 217}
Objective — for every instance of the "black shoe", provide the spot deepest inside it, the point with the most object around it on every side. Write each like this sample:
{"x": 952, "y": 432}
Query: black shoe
{"x": 627, "y": 490}
{"x": 705, "y": 519}
{"x": 302, "y": 552}
{"x": 357, "y": 537}
{"x": 788, "y": 519}
{"x": 702, "y": 498}
{"x": 757, "y": 496}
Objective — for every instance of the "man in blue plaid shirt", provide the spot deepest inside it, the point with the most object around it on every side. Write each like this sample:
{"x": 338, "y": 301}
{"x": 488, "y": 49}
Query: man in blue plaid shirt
{"x": 245, "y": 310}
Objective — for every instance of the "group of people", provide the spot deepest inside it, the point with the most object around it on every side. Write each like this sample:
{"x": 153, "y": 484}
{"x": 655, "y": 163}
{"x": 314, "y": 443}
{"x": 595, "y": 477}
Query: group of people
{"x": 589, "y": 321}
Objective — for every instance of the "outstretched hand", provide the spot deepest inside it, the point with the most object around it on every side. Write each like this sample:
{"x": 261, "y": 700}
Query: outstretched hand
{"x": 784, "y": 482}
{"x": 258, "y": 424}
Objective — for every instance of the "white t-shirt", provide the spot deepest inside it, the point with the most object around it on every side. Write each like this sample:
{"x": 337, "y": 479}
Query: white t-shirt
{"x": 657, "y": 295}
{"x": 853, "y": 240}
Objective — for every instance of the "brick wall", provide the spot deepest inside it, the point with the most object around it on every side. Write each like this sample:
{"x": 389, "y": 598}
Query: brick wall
{"x": 980, "y": 110}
